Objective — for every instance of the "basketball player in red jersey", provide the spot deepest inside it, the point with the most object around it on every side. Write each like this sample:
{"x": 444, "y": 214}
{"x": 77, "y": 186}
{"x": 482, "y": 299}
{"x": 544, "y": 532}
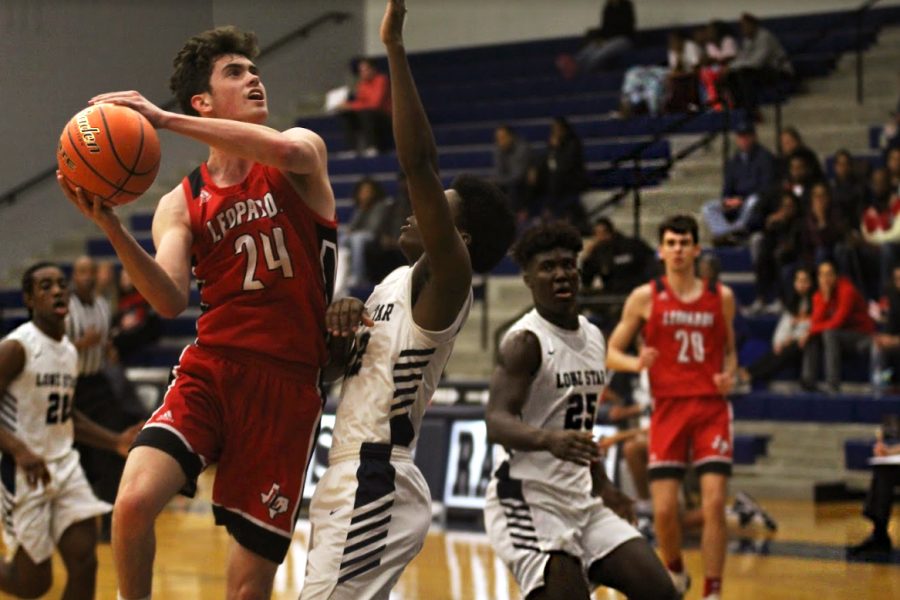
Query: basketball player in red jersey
{"x": 257, "y": 220}
{"x": 689, "y": 351}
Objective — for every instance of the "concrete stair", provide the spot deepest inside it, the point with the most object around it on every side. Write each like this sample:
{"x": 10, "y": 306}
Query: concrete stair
{"x": 826, "y": 114}
{"x": 800, "y": 455}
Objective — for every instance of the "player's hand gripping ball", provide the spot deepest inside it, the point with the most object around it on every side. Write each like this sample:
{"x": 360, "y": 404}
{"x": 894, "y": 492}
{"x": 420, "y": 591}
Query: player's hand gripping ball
{"x": 109, "y": 151}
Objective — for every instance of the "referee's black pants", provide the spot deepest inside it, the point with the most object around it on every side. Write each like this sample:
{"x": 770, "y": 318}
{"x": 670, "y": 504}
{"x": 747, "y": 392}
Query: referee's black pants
{"x": 95, "y": 398}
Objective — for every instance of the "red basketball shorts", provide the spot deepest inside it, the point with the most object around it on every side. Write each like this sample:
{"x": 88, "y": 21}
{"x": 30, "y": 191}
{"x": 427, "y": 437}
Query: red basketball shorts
{"x": 696, "y": 430}
{"x": 257, "y": 422}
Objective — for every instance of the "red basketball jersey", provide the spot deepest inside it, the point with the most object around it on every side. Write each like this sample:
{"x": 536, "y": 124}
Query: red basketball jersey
{"x": 691, "y": 340}
{"x": 265, "y": 264}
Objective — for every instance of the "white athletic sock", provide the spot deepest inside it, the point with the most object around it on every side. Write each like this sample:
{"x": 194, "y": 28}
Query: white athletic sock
{"x": 121, "y": 597}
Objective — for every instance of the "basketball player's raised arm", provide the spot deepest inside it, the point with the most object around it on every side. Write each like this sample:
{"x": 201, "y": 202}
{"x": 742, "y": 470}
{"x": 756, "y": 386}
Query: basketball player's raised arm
{"x": 520, "y": 358}
{"x": 12, "y": 361}
{"x": 296, "y": 150}
{"x": 634, "y": 314}
{"x": 450, "y": 267}
{"x": 166, "y": 280}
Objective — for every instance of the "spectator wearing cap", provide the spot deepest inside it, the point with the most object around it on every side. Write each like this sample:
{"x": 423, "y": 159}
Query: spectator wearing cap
{"x": 760, "y": 61}
{"x": 748, "y": 174}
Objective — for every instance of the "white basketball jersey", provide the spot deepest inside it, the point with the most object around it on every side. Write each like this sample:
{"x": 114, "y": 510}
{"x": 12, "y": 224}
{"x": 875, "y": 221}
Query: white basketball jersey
{"x": 37, "y": 405}
{"x": 394, "y": 369}
{"x": 563, "y": 395}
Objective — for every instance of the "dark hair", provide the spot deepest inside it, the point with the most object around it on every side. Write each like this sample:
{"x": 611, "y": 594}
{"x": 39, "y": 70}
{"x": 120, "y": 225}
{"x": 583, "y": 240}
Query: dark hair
{"x": 380, "y": 194}
{"x": 606, "y": 222}
{"x": 541, "y": 238}
{"x": 680, "y": 224}
{"x": 844, "y": 152}
{"x": 828, "y": 261}
{"x": 720, "y": 30}
{"x": 792, "y": 131}
{"x": 566, "y": 126}
{"x": 486, "y": 217}
{"x": 28, "y": 278}
{"x": 28, "y": 275}
{"x": 194, "y": 62}
{"x": 793, "y": 301}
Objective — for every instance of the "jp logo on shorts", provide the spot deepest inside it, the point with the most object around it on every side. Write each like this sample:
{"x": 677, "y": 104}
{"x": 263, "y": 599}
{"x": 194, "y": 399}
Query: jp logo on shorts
{"x": 276, "y": 503}
{"x": 720, "y": 445}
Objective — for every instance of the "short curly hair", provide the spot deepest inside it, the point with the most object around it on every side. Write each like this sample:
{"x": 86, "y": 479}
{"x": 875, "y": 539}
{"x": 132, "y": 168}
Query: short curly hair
{"x": 486, "y": 217}
{"x": 544, "y": 237}
{"x": 193, "y": 63}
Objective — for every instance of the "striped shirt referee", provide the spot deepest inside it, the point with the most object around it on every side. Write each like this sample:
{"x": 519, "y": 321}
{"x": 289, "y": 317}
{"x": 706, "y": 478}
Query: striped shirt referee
{"x": 89, "y": 318}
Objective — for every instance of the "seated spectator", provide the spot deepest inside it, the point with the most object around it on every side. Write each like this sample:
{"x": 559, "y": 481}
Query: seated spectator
{"x": 791, "y": 145}
{"x": 135, "y": 324}
{"x": 890, "y": 134}
{"x": 775, "y": 250}
{"x": 824, "y": 235}
{"x": 512, "y": 158}
{"x": 621, "y": 263}
{"x": 847, "y": 190}
{"x": 652, "y": 89}
{"x": 748, "y": 174}
{"x": 368, "y": 199}
{"x": 719, "y": 48}
{"x": 604, "y": 46}
{"x": 886, "y": 356}
{"x": 880, "y": 225}
{"x": 555, "y": 183}
{"x": 384, "y": 254}
{"x": 840, "y": 322}
{"x": 885, "y": 477}
{"x": 792, "y": 327}
{"x": 685, "y": 56}
{"x": 892, "y": 164}
{"x": 761, "y": 61}
{"x": 643, "y": 91}
{"x": 367, "y": 117}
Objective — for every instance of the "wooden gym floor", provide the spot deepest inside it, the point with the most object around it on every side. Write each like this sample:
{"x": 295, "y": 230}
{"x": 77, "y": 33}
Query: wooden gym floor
{"x": 804, "y": 560}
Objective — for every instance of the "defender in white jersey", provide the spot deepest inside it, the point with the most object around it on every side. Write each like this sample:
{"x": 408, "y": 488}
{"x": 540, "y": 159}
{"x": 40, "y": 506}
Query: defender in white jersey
{"x": 372, "y": 508}
{"x": 550, "y": 511}
{"x": 47, "y": 502}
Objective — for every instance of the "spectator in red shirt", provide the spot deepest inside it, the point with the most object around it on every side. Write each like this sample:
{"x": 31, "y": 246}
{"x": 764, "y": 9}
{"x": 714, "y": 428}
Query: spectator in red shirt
{"x": 840, "y": 321}
{"x": 367, "y": 117}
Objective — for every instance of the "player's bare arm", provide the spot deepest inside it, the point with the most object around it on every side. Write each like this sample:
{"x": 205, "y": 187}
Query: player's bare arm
{"x": 299, "y": 153}
{"x": 725, "y": 380}
{"x": 634, "y": 315}
{"x": 520, "y": 358}
{"x": 164, "y": 281}
{"x": 12, "y": 361}
{"x": 619, "y": 502}
{"x": 444, "y": 294}
{"x": 91, "y": 434}
{"x": 342, "y": 320}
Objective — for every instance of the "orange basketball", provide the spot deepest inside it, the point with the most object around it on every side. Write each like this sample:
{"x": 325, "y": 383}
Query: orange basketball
{"x": 109, "y": 151}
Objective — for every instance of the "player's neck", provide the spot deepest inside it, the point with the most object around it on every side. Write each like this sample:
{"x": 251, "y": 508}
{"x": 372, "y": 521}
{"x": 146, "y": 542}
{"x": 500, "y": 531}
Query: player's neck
{"x": 563, "y": 320}
{"x": 683, "y": 283}
{"x": 227, "y": 169}
{"x": 52, "y": 328}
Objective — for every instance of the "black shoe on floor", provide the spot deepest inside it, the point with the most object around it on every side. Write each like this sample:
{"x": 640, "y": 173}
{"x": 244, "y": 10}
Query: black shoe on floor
{"x": 871, "y": 545}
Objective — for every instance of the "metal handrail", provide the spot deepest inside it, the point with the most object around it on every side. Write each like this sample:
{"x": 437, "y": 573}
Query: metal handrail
{"x": 338, "y": 17}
